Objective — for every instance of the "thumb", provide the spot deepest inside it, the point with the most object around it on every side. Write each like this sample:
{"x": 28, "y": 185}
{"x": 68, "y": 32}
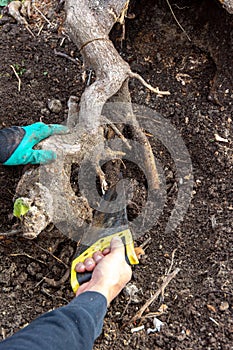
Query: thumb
{"x": 117, "y": 246}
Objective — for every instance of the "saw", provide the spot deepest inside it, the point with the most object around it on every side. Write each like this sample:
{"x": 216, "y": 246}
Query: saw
{"x": 104, "y": 227}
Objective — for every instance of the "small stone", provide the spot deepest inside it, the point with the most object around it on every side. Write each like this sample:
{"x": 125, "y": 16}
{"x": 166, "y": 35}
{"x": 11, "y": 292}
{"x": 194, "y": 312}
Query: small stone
{"x": 224, "y": 306}
{"x": 212, "y": 340}
{"x": 131, "y": 290}
{"x": 181, "y": 337}
{"x": 55, "y": 106}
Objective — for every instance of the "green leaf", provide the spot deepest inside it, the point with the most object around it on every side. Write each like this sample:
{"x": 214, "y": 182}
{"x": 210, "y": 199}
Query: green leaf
{"x": 20, "y": 208}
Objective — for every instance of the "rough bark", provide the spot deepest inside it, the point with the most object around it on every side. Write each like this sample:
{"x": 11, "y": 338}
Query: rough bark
{"x": 88, "y": 24}
{"x": 228, "y": 5}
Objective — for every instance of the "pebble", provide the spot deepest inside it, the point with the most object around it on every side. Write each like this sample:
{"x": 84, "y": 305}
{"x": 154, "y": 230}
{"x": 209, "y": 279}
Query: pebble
{"x": 55, "y": 106}
{"x": 224, "y": 306}
{"x": 131, "y": 290}
{"x": 212, "y": 340}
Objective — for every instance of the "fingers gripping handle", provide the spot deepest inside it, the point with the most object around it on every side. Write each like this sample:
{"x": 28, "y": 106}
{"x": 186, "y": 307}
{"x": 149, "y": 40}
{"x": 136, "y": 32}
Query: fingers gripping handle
{"x": 77, "y": 279}
{"x": 83, "y": 277}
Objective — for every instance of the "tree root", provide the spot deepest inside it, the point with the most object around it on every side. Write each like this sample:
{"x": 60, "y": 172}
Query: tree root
{"x": 53, "y": 283}
{"x": 49, "y": 189}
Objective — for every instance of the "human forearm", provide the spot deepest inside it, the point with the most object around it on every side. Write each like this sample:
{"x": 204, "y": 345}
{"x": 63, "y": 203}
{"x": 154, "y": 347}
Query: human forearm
{"x": 74, "y": 326}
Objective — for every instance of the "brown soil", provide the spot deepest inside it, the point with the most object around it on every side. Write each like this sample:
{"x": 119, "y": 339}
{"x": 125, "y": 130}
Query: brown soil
{"x": 199, "y": 299}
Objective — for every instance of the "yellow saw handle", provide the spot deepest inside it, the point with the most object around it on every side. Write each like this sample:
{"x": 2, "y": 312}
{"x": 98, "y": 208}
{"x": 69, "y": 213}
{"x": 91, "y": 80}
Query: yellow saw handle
{"x": 79, "y": 278}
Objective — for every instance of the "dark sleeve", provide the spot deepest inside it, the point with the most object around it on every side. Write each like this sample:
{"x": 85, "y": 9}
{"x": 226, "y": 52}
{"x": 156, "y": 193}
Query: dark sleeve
{"x": 71, "y": 327}
{"x": 10, "y": 138}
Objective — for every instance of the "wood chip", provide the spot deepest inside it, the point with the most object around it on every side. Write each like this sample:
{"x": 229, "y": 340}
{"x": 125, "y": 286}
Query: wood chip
{"x": 211, "y": 308}
{"x": 219, "y": 138}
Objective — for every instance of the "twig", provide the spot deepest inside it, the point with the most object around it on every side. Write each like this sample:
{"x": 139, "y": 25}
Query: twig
{"x": 177, "y": 20}
{"x": 40, "y": 29}
{"x": 58, "y": 53}
{"x": 172, "y": 261}
{"x": 213, "y": 320}
{"x": 29, "y": 30}
{"x": 42, "y": 15}
{"x": 148, "y": 86}
{"x": 17, "y": 76}
{"x": 28, "y": 256}
{"x": 161, "y": 289}
{"x": 127, "y": 305}
{"x": 10, "y": 233}
{"x": 145, "y": 242}
{"x": 168, "y": 271}
{"x": 151, "y": 315}
{"x": 37, "y": 285}
{"x": 54, "y": 256}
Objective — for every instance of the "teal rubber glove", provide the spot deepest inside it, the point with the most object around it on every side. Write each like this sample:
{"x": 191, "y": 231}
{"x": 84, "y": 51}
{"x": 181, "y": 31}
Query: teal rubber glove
{"x": 17, "y": 143}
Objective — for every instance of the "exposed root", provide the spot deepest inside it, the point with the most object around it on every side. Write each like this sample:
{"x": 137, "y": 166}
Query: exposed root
{"x": 148, "y": 86}
{"x": 51, "y": 282}
{"x": 148, "y": 156}
{"x": 169, "y": 5}
{"x": 49, "y": 188}
{"x": 11, "y": 233}
{"x": 29, "y": 256}
{"x": 19, "y": 10}
{"x": 62, "y": 54}
{"x": 51, "y": 254}
{"x": 107, "y": 153}
{"x": 14, "y": 8}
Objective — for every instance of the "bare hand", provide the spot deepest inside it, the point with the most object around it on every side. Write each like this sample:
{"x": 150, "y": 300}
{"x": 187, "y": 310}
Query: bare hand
{"x": 110, "y": 271}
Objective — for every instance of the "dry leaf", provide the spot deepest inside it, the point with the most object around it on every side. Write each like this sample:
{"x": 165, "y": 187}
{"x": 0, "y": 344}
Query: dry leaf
{"x": 163, "y": 308}
{"x": 139, "y": 252}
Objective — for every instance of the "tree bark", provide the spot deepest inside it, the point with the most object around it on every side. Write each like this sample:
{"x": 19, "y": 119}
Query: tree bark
{"x": 88, "y": 24}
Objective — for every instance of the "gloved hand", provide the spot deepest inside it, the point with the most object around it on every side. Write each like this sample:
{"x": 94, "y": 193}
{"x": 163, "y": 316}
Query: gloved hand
{"x": 16, "y": 143}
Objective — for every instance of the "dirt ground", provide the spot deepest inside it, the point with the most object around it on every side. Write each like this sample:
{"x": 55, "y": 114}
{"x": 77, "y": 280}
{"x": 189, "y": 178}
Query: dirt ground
{"x": 198, "y": 73}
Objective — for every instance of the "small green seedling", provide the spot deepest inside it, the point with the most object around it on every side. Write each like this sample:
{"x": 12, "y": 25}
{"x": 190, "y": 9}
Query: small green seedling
{"x": 20, "y": 208}
{"x": 19, "y": 70}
